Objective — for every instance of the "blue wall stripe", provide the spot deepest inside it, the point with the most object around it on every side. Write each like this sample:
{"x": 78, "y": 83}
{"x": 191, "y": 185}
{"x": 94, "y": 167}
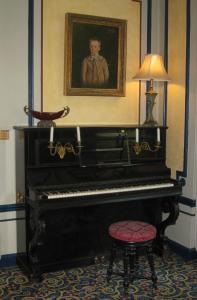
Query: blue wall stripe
{"x": 187, "y": 73}
{"x": 187, "y": 201}
{"x": 8, "y": 260}
{"x": 30, "y": 58}
{"x": 186, "y": 213}
{"x": 11, "y": 219}
{"x": 149, "y": 37}
{"x": 187, "y": 253}
{"x": 12, "y": 207}
{"x": 165, "y": 104}
{"x": 149, "y": 26}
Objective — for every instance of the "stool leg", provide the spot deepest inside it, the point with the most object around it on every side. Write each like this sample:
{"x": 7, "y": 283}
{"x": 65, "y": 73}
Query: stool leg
{"x": 136, "y": 262}
{"x": 111, "y": 261}
{"x": 151, "y": 264}
{"x": 126, "y": 268}
{"x": 132, "y": 257}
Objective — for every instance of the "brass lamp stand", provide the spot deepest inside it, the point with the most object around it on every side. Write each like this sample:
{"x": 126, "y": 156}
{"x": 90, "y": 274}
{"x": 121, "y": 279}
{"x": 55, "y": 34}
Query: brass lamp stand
{"x": 150, "y": 102}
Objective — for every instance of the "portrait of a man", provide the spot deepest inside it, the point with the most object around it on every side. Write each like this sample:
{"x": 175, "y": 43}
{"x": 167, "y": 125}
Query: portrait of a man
{"x": 94, "y": 55}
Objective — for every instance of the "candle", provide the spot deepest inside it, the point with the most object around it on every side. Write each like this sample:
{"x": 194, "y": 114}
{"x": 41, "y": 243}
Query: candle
{"x": 137, "y": 135}
{"x": 51, "y": 134}
{"x": 158, "y": 134}
{"x": 78, "y": 135}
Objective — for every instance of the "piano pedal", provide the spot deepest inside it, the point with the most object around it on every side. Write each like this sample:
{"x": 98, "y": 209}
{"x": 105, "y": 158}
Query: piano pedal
{"x": 99, "y": 259}
{"x": 96, "y": 259}
{"x": 103, "y": 259}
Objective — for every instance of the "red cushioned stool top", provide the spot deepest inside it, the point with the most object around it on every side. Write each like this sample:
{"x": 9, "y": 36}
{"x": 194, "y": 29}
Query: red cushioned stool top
{"x": 132, "y": 231}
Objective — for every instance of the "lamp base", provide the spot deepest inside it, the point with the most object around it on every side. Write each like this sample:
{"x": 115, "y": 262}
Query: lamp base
{"x": 46, "y": 123}
{"x": 150, "y": 123}
{"x": 150, "y": 102}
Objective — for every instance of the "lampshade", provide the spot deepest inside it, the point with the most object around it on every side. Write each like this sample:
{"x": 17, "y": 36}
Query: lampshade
{"x": 152, "y": 68}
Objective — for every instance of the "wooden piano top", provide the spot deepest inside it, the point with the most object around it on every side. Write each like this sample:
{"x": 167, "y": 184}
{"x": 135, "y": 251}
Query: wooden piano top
{"x": 131, "y": 126}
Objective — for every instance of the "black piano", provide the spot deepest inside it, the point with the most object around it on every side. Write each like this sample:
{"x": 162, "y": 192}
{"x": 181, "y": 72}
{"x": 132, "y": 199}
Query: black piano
{"x": 75, "y": 186}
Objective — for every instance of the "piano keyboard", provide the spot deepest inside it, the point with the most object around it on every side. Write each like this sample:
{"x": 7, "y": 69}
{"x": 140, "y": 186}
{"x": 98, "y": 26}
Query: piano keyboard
{"x": 71, "y": 194}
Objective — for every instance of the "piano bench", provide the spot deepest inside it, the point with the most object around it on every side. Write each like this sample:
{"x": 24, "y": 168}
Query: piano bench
{"x": 132, "y": 238}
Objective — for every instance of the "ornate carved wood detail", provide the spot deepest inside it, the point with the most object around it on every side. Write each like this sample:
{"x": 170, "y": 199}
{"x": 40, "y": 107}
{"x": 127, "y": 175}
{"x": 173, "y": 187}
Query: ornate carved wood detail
{"x": 169, "y": 205}
{"x": 38, "y": 231}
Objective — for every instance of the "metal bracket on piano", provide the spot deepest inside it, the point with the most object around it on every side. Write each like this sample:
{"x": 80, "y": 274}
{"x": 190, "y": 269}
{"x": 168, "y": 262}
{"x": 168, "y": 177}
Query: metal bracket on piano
{"x": 62, "y": 150}
{"x": 144, "y": 146}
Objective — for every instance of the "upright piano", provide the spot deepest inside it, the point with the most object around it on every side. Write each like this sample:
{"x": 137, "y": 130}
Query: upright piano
{"x": 75, "y": 186}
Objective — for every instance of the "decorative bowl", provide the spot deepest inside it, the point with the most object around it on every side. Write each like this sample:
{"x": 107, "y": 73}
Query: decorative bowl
{"x": 46, "y": 118}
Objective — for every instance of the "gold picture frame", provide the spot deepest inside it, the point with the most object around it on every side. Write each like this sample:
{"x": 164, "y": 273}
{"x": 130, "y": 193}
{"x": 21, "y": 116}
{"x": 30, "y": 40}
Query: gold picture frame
{"x": 95, "y": 56}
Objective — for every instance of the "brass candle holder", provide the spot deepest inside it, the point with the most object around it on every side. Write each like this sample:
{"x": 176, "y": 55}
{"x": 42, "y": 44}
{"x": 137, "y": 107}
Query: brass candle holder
{"x": 144, "y": 146}
{"x": 63, "y": 150}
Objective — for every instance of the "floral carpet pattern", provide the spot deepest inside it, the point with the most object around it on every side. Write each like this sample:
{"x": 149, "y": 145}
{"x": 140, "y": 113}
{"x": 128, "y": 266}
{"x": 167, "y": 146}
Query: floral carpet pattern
{"x": 177, "y": 279}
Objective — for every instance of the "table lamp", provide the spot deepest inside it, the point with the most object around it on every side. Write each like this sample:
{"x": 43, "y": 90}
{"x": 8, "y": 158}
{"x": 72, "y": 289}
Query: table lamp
{"x": 151, "y": 69}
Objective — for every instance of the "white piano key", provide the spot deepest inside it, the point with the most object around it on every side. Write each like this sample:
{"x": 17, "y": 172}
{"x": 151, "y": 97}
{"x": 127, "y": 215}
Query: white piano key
{"x": 68, "y": 194}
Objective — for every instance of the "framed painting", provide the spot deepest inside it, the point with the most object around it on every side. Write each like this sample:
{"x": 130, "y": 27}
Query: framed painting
{"x": 95, "y": 55}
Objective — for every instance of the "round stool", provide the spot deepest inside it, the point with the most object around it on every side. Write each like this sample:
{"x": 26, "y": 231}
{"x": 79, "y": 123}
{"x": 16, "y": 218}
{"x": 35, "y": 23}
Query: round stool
{"x": 132, "y": 238}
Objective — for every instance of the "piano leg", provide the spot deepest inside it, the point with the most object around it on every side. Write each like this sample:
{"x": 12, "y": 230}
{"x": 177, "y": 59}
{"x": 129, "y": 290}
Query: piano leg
{"x": 37, "y": 228}
{"x": 171, "y": 206}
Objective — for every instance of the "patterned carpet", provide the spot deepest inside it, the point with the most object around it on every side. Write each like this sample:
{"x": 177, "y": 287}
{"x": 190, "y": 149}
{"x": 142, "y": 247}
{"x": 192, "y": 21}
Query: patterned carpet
{"x": 177, "y": 279}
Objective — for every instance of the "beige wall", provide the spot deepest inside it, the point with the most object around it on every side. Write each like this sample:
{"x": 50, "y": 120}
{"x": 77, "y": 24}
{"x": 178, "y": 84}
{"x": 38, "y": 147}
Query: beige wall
{"x": 176, "y": 88}
{"x": 89, "y": 109}
{"x": 185, "y": 230}
{"x": 13, "y": 97}
{"x": 13, "y": 62}
{"x": 13, "y": 87}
